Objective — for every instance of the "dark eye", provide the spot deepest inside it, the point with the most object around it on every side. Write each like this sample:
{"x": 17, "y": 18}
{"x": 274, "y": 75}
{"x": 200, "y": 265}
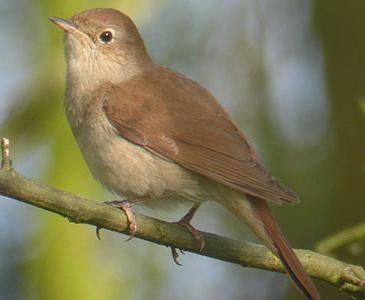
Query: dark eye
{"x": 106, "y": 36}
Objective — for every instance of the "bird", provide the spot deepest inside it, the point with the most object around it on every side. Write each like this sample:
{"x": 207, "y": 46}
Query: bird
{"x": 153, "y": 136}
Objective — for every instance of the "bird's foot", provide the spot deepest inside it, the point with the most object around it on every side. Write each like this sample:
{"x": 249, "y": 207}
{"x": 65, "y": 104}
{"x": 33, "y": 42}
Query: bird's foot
{"x": 175, "y": 255}
{"x": 198, "y": 237}
{"x": 126, "y": 207}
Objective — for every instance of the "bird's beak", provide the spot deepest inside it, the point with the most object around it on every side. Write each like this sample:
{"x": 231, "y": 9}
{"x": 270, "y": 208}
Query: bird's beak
{"x": 65, "y": 25}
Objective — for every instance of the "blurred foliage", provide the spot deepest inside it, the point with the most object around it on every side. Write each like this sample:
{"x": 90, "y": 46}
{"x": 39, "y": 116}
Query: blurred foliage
{"x": 362, "y": 105}
{"x": 64, "y": 267}
{"x": 246, "y": 53}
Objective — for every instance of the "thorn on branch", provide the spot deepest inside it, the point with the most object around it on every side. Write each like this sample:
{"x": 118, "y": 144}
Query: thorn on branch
{"x": 6, "y": 163}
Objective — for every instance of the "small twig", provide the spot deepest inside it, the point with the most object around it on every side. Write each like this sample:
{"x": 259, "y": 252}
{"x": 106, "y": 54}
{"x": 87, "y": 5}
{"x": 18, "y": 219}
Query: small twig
{"x": 345, "y": 277}
{"x": 5, "y": 154}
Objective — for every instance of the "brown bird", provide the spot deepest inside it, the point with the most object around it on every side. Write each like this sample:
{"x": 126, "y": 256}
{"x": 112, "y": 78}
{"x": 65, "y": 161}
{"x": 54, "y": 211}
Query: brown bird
{"x": 154, "y": 136}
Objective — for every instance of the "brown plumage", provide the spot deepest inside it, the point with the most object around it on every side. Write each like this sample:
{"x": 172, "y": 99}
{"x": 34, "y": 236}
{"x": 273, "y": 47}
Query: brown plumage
{"x": 180, "y": 120}
{"x": 205, "y": 140}
{"x": 146, "y": 131}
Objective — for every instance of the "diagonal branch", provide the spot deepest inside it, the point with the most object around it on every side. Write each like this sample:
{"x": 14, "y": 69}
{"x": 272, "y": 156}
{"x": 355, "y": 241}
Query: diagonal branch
{"x": 347, "y": 278}
{"x": 342, "y": 238}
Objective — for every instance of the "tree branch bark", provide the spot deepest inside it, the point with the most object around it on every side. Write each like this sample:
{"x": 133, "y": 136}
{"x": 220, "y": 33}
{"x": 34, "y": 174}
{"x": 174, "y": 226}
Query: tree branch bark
{"x": 347, "y": 278}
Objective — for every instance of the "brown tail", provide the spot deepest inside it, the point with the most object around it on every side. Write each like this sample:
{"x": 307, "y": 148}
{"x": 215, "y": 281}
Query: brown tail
{"x": 256, "y": 214}
{"x": 282, "y": 249}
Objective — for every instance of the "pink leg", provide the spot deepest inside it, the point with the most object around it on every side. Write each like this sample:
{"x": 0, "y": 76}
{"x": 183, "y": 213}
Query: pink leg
{"x": 185, "y": 221}
{"x": 126, "y": 207}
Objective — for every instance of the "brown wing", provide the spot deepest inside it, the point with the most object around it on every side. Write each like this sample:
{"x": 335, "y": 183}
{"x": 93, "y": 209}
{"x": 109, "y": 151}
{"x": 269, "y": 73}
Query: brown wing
{"x": 168, "y": 114}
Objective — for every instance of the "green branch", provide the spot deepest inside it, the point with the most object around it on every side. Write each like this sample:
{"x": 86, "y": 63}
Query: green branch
{"x": 341, "y": 239}
{"x": 347, "y": 278}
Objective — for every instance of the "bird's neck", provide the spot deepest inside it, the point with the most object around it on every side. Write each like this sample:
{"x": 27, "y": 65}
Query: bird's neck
{"x": 86, "y": 72}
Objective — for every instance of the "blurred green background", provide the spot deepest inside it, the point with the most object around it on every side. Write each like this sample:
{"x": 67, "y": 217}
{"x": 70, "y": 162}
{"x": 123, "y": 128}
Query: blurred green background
{"x": 291, "y": 73}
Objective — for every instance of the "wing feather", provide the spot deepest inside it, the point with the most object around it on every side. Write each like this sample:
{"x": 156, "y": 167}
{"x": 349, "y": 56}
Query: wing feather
{"x": 178, "y": 119}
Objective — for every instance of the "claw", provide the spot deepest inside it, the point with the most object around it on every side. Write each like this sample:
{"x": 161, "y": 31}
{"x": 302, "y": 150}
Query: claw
{"x": 126, "y": 207}
{"x": 132, "y": 224}
{"x": 198, "y": 237}
{"x": 98, "y": 232}
{"x": 175, "y": 256}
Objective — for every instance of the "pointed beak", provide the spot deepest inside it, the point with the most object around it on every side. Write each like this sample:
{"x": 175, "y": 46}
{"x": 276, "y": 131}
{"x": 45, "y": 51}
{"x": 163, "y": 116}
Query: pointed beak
{"x": 65, "y": 25}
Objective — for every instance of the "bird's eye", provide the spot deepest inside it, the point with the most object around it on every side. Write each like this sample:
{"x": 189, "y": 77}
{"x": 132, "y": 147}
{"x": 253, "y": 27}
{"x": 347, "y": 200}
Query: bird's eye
{"x": 106, "y": 37}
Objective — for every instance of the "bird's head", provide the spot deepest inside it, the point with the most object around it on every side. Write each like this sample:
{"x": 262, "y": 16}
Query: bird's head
{"x": 103, "y": 44}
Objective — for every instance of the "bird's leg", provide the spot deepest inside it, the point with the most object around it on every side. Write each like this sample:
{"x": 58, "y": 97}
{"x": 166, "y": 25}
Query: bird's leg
{"x": 185, "y": 221}
{"x": 126, "y": 207}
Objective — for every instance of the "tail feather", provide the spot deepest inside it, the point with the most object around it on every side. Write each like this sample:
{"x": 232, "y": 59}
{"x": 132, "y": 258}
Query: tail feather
{"x": 256, "y": 214}
{"x": 282, "y": 249}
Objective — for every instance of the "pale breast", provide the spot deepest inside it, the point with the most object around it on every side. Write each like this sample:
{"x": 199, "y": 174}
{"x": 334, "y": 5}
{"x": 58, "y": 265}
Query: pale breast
{"x": 127, "y": 169}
